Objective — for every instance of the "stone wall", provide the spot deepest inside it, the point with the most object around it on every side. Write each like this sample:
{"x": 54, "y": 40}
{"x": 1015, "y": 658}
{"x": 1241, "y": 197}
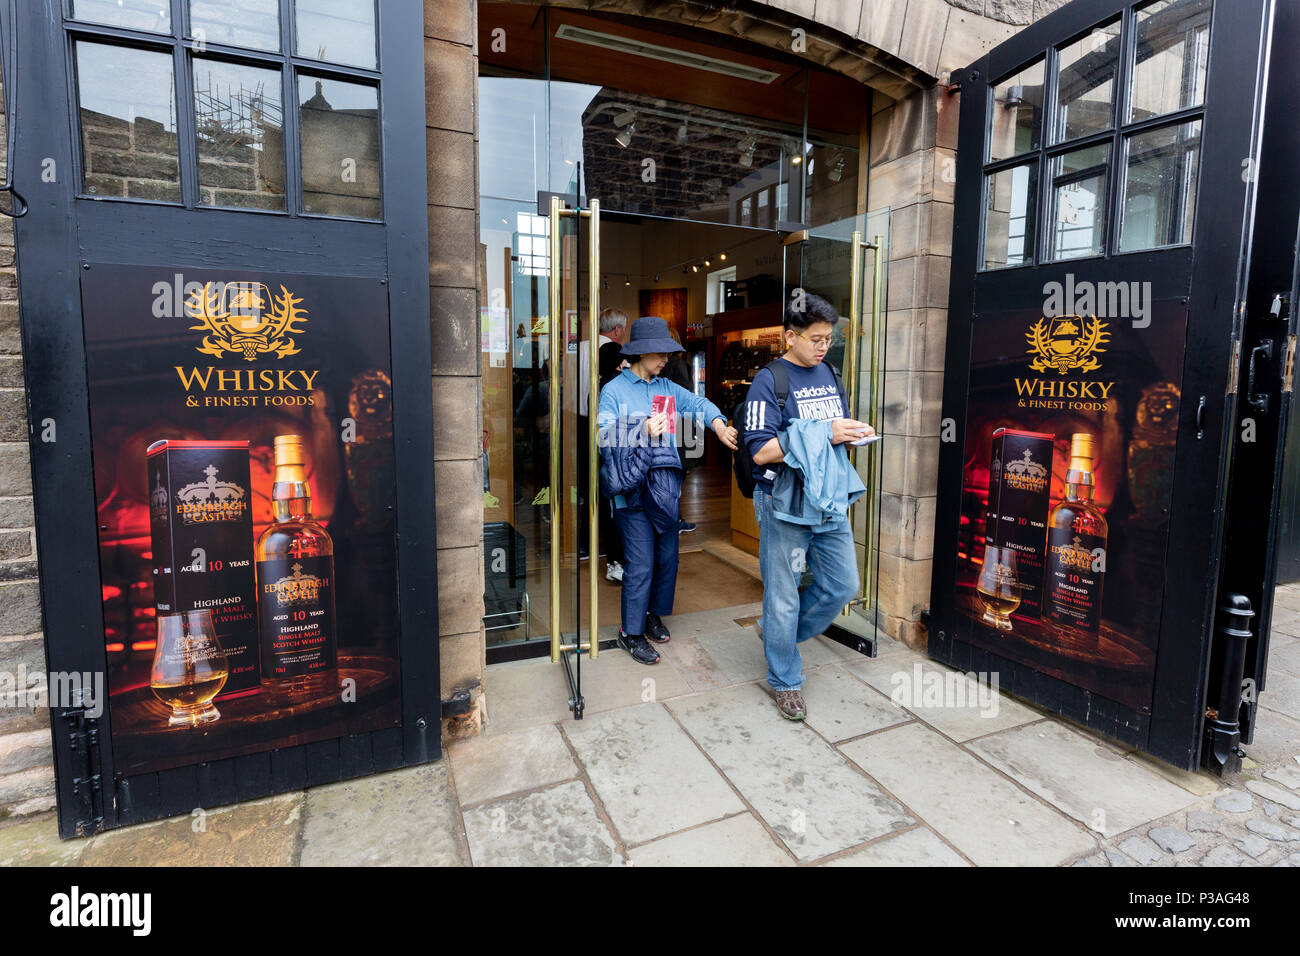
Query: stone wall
{"x": 451, "y": 91}
{"x": 26, "y": 761}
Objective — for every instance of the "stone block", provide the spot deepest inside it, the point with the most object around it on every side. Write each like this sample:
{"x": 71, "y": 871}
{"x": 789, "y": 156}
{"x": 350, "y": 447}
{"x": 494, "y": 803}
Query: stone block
{"x": 910, "y": 465}
{"x": 450, "y": 85}
{"x": 460, "y": 590}
{"x": 11, "y": 371}
{"x": 451, "y": 20}
{"x": 13, "y": 414}
{"x": 454, "y": 328}
{"x": 461, "y": 661}
{"x": 453, "y": 245}
{"x": 913, "y": 403}
{"x": 456, "y": 417}
{"x": 1019, "y": 12}
{"x": 26, "y": 785}
{"x": 909, "y": 128}
{"x": 968, "y": 37}
{"x": 20, "y": 608}
{"x": 17, "y": 513}
{"x": 907, "y": 525}
{"x": 15, "y": 544}
{"x": 924, "y": 28}
{"x": 24, "y": 750}
{"x": 452, "y": 168}
{"x": 842, "y": 15}
{"x": 460, "y": 503}
{"x": 881, "y": 24}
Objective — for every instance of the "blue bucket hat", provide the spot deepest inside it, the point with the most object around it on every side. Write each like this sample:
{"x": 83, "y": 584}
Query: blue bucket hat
{"x": 650, "y": 334}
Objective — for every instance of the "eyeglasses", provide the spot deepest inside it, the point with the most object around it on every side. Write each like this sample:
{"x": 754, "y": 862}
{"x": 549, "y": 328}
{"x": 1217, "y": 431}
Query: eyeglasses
{"x": 818, "y": 341}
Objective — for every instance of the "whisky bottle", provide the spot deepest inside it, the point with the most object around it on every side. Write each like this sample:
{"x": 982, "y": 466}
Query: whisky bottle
{"x": 295, "y": 588}
{"x": 1076, "y": 546}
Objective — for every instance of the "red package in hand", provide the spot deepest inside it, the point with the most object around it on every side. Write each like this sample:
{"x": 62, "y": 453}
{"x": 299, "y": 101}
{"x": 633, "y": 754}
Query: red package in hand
{"x": 668, "y": 405}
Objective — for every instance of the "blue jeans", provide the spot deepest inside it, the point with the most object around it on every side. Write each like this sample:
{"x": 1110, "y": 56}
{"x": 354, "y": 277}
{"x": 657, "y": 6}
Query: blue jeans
{"x": 649, "y": 568}
{"x": 791, "y": 617}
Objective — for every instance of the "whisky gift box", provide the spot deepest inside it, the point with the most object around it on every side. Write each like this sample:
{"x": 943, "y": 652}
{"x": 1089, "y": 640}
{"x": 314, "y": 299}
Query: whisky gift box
{"x": 1020, "y": 488}
{"x": 201, "y": 522}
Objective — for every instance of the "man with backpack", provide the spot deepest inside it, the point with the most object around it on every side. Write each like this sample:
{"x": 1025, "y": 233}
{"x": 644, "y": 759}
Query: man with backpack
{"x": 799, "y": 385}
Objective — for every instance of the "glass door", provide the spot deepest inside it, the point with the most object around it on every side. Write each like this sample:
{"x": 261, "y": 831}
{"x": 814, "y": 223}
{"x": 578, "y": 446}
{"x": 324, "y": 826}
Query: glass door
{"x": 845, "y": 262}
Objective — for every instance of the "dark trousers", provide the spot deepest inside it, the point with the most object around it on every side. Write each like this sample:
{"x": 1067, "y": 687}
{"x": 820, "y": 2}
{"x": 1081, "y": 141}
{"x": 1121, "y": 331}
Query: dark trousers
{"x": 611, "y": 541}
{"x": 649, "y": 568}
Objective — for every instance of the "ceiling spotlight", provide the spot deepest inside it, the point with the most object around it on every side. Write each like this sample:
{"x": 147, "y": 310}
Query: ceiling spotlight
{"x": 656, "y": 277}
{"x": 624, "y": 138}
{"x": 625, "y": 117}
{"x": 796, "y": 159}
{"x": 682, "y": 132}
{"x": 695, "y": 268}
{"x": 627, "y": 281}
{"x": 707, "y": 263}
{"x": 722, "y": 256}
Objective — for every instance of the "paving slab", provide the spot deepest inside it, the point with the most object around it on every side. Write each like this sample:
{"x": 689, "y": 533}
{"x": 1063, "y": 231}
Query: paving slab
{"x": 37, "y": 843}
{"x": 1277, "y": 737}
{"x": 1193, "y": 781}
{"x": 524, "y": 694}
{"x": 971, "y": 806}
{"x": 1282, "y": 694}
{"x": 257, "y": 833}
{"x": 648, "y": 774}
{"x": 736, "y": 841}
{"x": 1287, "y": 775}
{"x": 916, "y": 689}
{"x": 689, "y": 658}
{"x": 918, "y": 847}
{"x": 801, "y": 787}
{"x": 738, "y": 652}
{"x": 558, "y": 826}
{"x": 489, "y": 767}
{"x": 401, "y": 818}
{"x": 840, "y": 706}
{"x": 1284, "y": 653}
{"x": 615, "y": 680}
{"x": 1099, "y": 788}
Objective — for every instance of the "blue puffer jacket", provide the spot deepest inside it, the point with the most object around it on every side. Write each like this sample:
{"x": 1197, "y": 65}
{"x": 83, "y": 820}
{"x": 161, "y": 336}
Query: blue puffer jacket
{"x": 818, "y": 483}
{"x": 637, "y": 471}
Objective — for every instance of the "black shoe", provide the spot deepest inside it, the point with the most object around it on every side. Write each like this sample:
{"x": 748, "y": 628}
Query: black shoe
{"x": 638, "y": 647}
{"x": 684, "y": 526}
{"x": 655, "y": 630}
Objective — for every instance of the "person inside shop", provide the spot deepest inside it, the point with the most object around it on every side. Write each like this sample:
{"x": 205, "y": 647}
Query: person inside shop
{"x": 638, "y": 417}
{"x": 800, "y": 526}
{"x": 610, "y": 360}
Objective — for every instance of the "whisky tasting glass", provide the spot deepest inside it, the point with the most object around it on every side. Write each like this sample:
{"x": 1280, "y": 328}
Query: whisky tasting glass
{"x": 999, "y": 586}
{"x": 189, "y": 667}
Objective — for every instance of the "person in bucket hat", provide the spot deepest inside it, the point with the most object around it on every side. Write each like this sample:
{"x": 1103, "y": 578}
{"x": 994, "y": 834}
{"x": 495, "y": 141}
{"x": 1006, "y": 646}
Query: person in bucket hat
{"x": 642, "y": 474}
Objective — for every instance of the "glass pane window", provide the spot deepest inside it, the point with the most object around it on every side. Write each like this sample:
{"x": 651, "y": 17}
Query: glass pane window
{"x": 340, "y": 31}
{"x": 339, "y": 125}
{"x": 239, "y": 128}
{"x": 1009, "y": 216}
{"x": 127, "y": 105}
{"x": 1173, "y": 44}
{"x": 248, "y": 23}
{"x": 1085, "y": 84}
{"x": 1160, "y": 187}
{"x": 153, "y": 16}
{"x": 1016, "y": 118}
{"x": 1078, "y": 203}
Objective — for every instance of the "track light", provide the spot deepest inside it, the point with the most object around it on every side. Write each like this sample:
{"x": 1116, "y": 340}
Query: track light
{"x": 747, "y": 147}
{"x": 722, "y": 256}
{"x": 695, "y": 268}
{"x": 682, "y": 132}
{"x": 624, "y": 139}
{"x": 707, "y": 263}
{"x": 625, "y": 117}
{"x": 837, "y": 169}
{"x": 627, "y": 281}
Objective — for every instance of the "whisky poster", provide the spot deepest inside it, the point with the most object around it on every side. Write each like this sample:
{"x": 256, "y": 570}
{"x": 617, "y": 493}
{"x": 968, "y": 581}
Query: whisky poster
{"x": 241, "y": 427}
{"x": 1066, "y": 486}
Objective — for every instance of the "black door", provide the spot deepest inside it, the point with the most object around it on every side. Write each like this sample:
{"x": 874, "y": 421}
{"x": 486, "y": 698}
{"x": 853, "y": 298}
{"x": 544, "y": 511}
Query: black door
{"x": 227, "y": 247}
{"x": 1104, "y": 197}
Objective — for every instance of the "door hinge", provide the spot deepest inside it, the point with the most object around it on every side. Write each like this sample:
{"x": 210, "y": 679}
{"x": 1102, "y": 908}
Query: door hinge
{"x": 1288, "y": 365}
{"x": 1234, "y": 368}
{"x": 87, "y": 768}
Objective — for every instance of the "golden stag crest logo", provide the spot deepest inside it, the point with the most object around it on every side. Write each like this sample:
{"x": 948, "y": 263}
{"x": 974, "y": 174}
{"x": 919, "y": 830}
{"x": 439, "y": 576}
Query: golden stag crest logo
{"x": 1025, "y": 474}
{"x": 297, "y": 588}
{"x": 211, "y": 500}
{"x": 1074, "y": 555}
{"x": 246, "y": 318}
{"x": 1067, "y": 343}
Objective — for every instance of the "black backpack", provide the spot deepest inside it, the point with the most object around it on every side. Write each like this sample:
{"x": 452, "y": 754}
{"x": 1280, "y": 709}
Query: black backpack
{"x": 742, "y": 463}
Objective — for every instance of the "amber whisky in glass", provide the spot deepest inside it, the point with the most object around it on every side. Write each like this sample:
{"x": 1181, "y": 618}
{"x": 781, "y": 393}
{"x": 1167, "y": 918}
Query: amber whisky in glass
{"x": 295, "y": 588}
{"x": 1076, "y": 546}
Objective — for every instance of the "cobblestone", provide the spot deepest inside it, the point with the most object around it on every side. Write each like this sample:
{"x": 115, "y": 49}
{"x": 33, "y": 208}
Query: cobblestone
{"x": 1200, "y": 821}
{"x": 1223, "y": 856}
{"x": 1234, "y": 801}
{"x": 1171, "y": 839}
{"x": 1272, "y": 831}
{"x": 1252, "y": 845}
{"x": 1141, "y": 849}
